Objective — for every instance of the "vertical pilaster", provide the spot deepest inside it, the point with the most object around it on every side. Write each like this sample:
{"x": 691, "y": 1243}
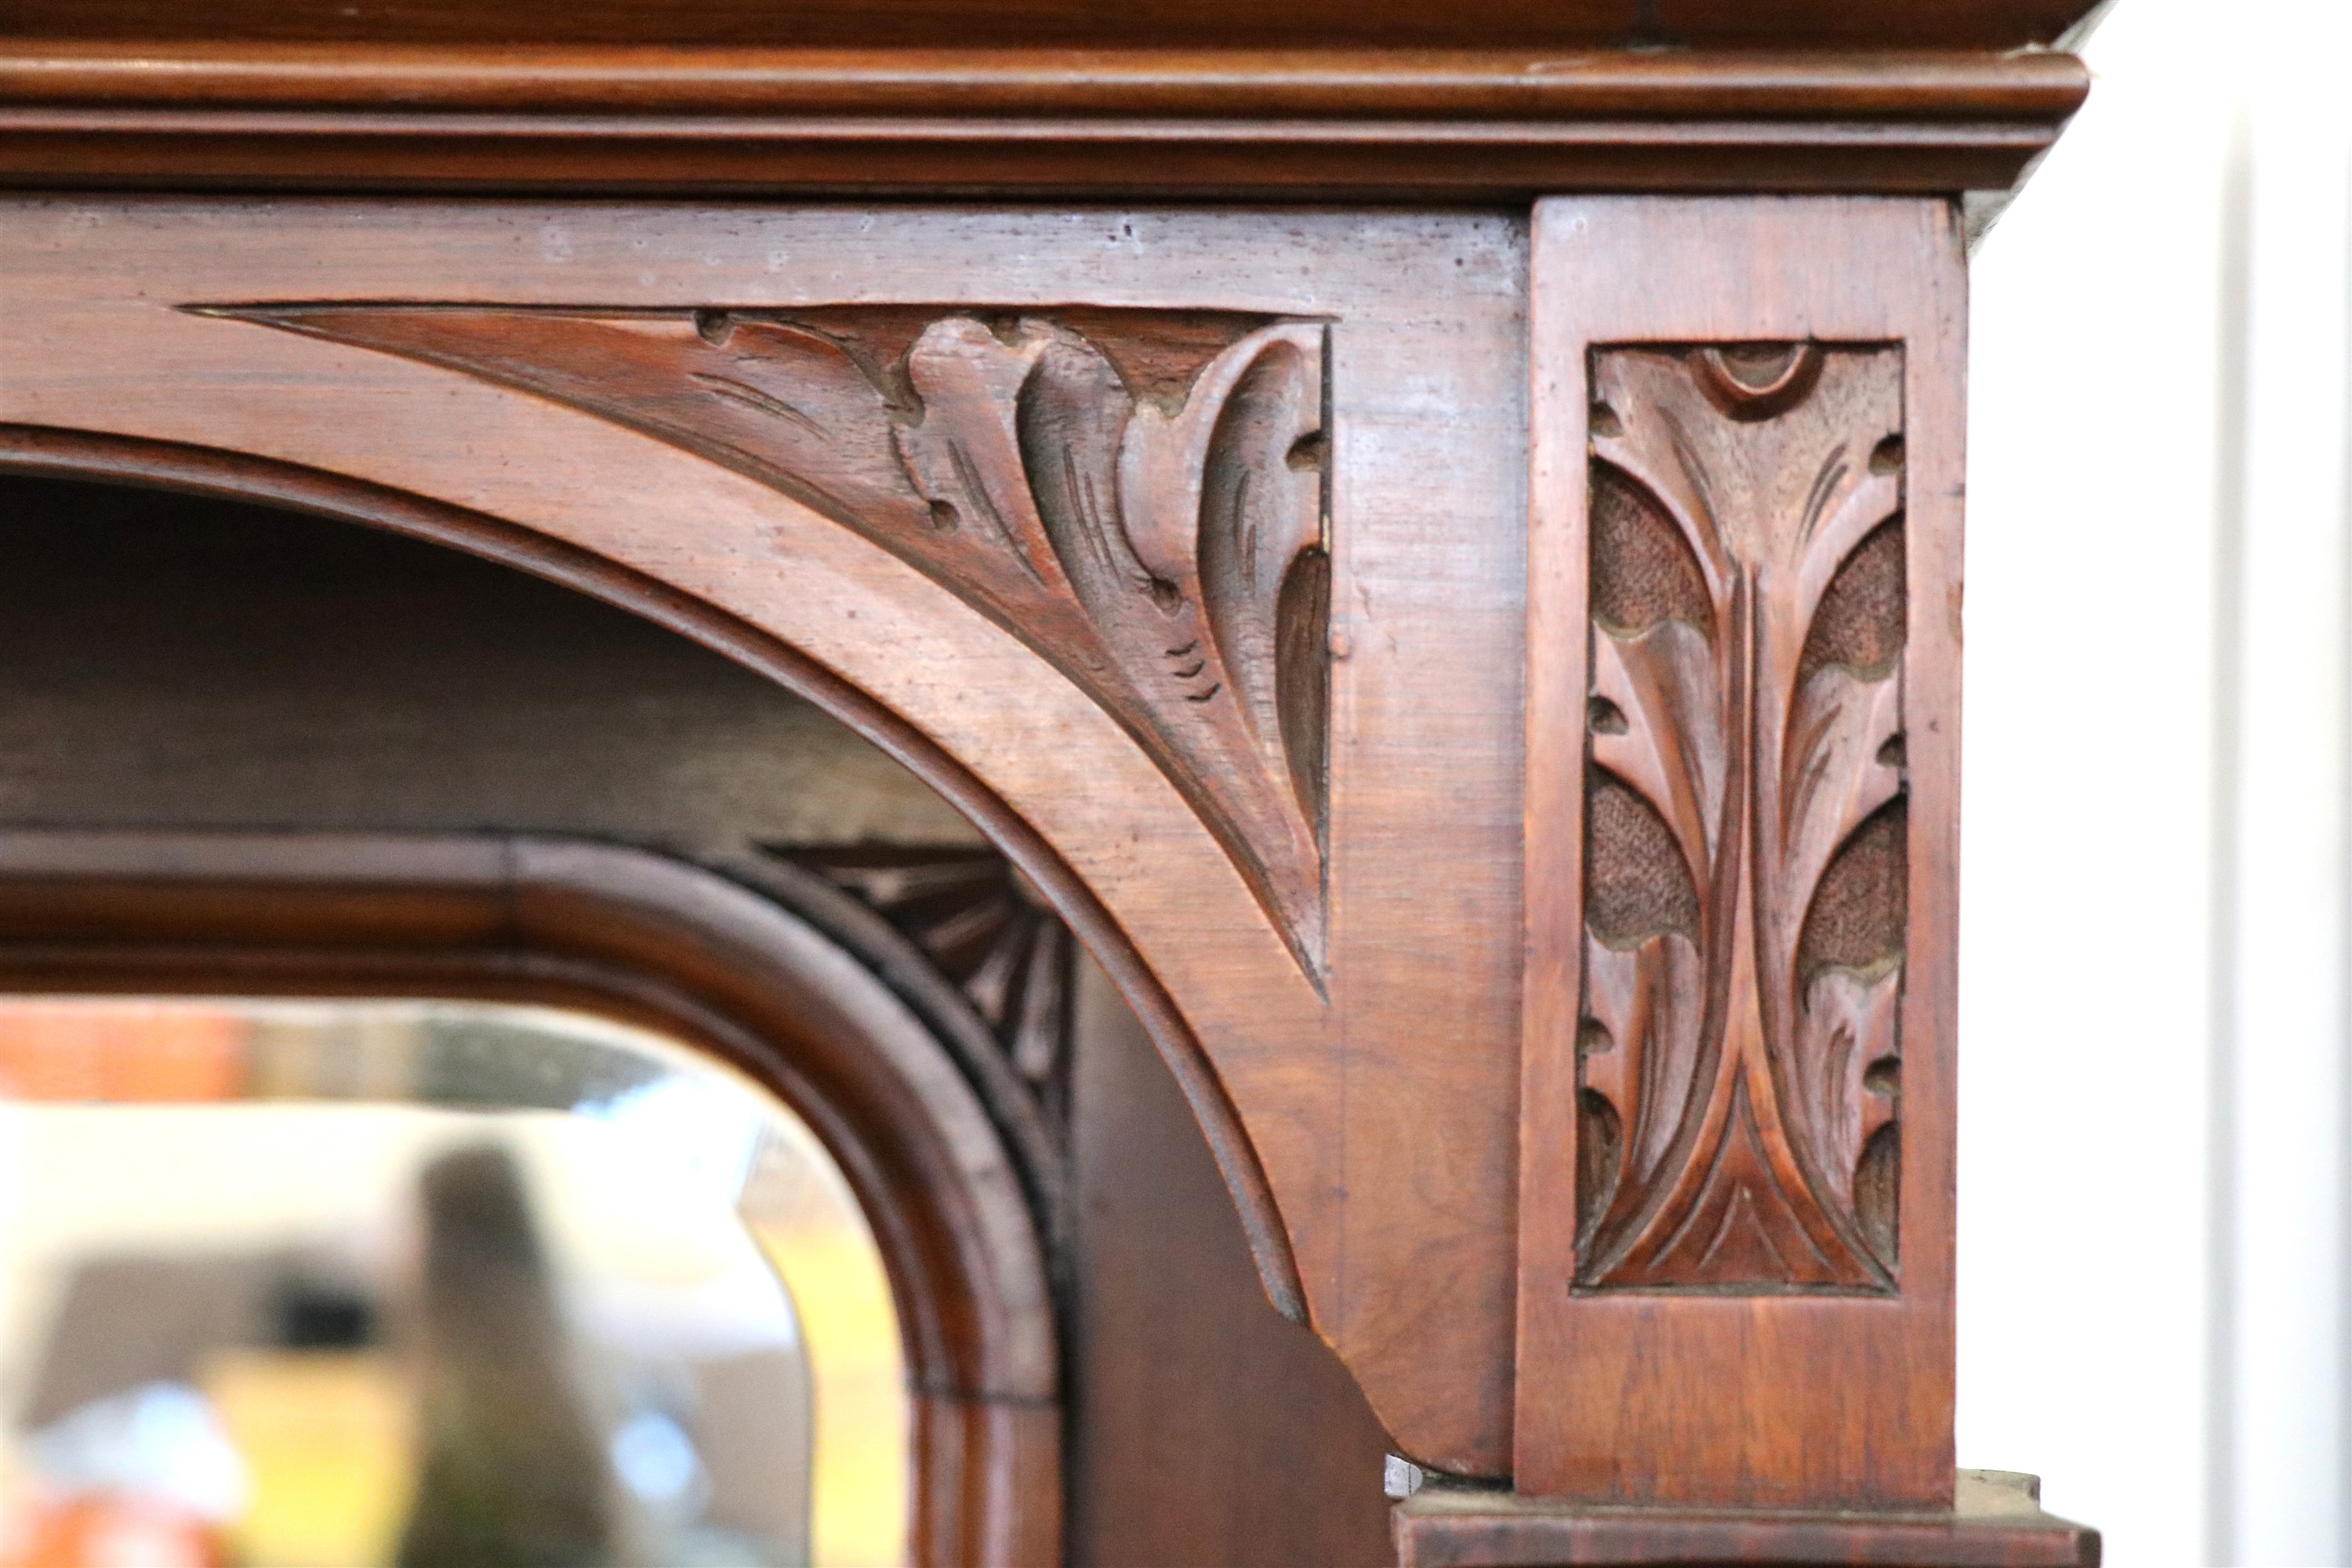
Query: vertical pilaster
{"x": 1743, "y": 736}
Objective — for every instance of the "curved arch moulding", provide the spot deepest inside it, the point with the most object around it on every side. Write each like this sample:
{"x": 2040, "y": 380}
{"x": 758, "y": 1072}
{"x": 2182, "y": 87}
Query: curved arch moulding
{"x": 1107, "y": 524}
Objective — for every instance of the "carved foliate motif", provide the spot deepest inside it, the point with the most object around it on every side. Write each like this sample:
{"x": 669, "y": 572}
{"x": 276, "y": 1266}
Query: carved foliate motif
{"x": 989, "y": 935}
{"x": 1138, "y": 495}
{"x": 1738, "y": 1058}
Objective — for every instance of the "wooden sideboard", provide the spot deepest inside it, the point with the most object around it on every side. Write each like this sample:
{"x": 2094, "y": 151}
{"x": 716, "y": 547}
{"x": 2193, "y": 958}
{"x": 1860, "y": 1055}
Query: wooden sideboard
{"x": 1431, "y": 538}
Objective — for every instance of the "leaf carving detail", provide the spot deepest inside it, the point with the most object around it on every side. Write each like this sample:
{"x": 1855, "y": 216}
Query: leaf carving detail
{"x": 1141, "y": 496}
{"x": 1747, "y": 515}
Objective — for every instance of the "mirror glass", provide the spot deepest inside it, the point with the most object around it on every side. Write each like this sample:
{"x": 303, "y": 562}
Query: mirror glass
{"x": 335, "y": 1284}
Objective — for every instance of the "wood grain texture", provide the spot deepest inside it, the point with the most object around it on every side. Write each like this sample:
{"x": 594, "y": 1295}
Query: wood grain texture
{"x": 1205, "y": 1432}
{"x": 1962, "y": 23}
{"x": 1390, "y": 1161}
{"x": 1244, "y": 161}
{"x": 1460, "y": 124}
{"x": 1737, "y": 1053}
{"x": 1141, "y": 496}
{"x": 653, "y": 941}
{"x": 1711, "y": 594}
{"x": 116, "y": 706}
{"x": 1996, "y": 1522}
{"x": 1464, "y": 84}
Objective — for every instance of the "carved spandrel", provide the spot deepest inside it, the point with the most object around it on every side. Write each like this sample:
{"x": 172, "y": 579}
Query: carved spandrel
{"x": 1739, "y": 1058}
{"x": 1141, "y": 496}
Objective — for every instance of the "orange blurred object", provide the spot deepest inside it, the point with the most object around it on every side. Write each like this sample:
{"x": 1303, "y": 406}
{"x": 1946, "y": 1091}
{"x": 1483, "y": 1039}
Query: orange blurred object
{"x": 104, "y": 1531}
{"x": 73, "y": 1051}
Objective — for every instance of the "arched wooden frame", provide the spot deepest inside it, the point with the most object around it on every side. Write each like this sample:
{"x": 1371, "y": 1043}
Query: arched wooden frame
{"x": 1373, "y": 1169}
{"x": 651, "y": 941}
{"x": 172, "y": 466}
{"x": 1413, "y": 1081}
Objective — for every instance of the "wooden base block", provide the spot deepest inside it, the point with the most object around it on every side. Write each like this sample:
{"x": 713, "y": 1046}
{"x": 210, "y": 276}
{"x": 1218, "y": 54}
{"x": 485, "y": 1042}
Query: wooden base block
{"x": 1996, "y": 1522}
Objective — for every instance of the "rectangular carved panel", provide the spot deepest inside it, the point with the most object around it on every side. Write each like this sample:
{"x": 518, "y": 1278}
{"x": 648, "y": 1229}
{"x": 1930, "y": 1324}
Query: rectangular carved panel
{"x": 1742, "y": 828}
{"x": 1738, "y": 1048}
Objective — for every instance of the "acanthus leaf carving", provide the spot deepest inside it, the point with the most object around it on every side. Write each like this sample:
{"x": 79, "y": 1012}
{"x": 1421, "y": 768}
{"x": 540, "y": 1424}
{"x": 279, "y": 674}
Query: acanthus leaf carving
{"x": 1739, "y": 1062}
{"x": 1138, "y": 495}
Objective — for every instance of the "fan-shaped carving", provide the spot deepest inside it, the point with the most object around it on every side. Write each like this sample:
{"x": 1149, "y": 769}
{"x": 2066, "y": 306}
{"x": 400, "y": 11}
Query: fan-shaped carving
{"x": 970, "y": 913}
{"x": 1137, "y": 495}
{"x": 1745, "y": 898}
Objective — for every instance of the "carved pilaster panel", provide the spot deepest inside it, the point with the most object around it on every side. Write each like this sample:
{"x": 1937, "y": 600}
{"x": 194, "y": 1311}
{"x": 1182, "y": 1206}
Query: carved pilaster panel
{"x": 1738, "y": 1050}
{"x": 1742, "y": 829}
{"x": 1138, "y": 495}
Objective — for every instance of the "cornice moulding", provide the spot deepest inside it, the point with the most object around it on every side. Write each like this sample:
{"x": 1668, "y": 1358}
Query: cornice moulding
{"x": 1455, "y": 125}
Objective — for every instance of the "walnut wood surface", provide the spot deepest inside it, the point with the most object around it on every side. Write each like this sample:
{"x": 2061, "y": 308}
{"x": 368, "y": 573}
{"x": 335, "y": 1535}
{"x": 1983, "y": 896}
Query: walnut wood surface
{"x": 37, "y": 450}
{"x": 1743, "y": 729}
{"x": 1997, "y": 1522}
{"x": 1141, "y": 496}
{"x": 1381, "y": 1111}
{"x": 889, "y": 456}
{"x": 1454, "y": 124}
{"x": 1854, "y": 24}
{"x": 1467, "y": 84}
{"x": 1205, "y": 1432}
{"x": 651, "y": 941}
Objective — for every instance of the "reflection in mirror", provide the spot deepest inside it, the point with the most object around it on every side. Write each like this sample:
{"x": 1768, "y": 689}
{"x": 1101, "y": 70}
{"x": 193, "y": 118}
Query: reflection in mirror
{"x": 342, "y": 1284}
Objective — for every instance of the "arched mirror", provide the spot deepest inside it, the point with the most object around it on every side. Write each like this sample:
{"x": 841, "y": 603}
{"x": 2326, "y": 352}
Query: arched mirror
{"x": 342, "y": 1283}
{"x": 264, "y": 774}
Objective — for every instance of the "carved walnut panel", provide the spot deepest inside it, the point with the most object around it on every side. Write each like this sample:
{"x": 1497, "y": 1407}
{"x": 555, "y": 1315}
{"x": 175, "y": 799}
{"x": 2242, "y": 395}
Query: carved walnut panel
{"x": 1138, "y": 495}
{"x": 1738, "y": 1054}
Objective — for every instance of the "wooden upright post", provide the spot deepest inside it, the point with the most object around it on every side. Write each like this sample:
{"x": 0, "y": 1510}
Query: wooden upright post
{"x": 1743, "y": 712}
{"x": 1736, "y": 1198}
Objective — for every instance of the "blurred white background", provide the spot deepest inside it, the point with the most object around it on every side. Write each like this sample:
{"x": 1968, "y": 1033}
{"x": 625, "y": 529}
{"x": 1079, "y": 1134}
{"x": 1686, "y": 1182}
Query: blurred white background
{"x": 2153, "y": 1306}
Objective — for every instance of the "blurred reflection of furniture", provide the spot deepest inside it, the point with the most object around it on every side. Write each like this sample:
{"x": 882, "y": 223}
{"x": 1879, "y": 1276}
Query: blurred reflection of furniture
{"x": 276, "y": 1397}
